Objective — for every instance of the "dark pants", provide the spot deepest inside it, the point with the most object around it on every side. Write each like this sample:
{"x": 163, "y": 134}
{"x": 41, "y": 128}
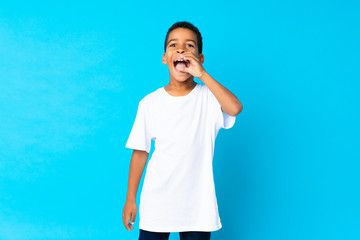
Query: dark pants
{"x": 147, "y": 235}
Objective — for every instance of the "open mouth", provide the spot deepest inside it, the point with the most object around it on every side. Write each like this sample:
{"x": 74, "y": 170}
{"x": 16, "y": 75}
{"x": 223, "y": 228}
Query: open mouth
{"x": 181, "y": 63}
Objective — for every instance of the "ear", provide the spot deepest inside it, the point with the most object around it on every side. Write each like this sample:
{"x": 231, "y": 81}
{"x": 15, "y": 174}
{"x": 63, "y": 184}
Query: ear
{"x": 164, "y": 58}
{"x": 201, "y": 58}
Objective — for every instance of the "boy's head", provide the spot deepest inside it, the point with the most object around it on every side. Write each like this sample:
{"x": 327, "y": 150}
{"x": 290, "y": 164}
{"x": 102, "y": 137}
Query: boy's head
{"x": 189, "y": 26}
{"x": 181, "y": 37}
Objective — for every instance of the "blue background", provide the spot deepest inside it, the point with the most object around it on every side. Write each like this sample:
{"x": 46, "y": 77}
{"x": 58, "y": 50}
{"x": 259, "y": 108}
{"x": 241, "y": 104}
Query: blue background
{"x": 72, "y": 74}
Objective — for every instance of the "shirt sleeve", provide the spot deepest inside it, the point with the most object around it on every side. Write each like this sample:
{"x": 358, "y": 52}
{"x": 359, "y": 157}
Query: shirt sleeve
{"x": 223, "y": 120}
{"x": 140, "y": 135}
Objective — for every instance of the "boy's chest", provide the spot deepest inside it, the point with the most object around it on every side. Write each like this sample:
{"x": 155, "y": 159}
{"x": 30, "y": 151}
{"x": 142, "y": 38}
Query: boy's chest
{"x": 176, "y": 122}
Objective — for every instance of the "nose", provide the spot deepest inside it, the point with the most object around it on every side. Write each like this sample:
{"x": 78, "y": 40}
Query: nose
{"x": 180, "y": 51}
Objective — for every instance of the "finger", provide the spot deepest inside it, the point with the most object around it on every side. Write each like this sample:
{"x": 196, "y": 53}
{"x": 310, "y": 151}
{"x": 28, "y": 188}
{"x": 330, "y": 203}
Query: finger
{"x": 190, "y": 56}
{"x": 126, "y": 218}
{"x": 133, "y": 215}
{"x": 132, "y": 221}
{"x": 191, "y": 68}
{"x": 192, "y": 61}
{"x": 123, "y": 218}
{"x": 130, "y": 226}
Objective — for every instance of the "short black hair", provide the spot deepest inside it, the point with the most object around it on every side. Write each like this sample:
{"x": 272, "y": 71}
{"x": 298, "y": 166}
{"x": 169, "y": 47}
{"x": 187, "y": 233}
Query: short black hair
{"x": 187, "y": 25}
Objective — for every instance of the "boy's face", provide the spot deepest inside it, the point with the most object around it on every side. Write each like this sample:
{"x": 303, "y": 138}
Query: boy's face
{"x": 180, "y": 40}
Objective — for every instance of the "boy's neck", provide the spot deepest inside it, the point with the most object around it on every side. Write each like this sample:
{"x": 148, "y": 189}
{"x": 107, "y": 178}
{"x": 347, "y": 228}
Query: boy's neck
{"x": 180, "y": 87}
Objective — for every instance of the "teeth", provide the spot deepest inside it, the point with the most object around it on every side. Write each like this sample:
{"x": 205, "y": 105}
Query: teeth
{"x": 179, "y": 60}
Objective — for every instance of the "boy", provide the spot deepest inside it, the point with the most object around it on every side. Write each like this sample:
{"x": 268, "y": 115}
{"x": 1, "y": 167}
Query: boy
{"x": 183, "y": 118}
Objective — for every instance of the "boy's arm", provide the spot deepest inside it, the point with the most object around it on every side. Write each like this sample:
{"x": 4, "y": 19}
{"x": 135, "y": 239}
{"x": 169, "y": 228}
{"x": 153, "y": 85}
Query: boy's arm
{"x": 228, "y": 101}
{"x": 137, "y": 165}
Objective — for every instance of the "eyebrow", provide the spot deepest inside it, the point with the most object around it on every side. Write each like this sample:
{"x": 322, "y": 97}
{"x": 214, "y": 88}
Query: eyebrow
{"x": 175, "y": 39}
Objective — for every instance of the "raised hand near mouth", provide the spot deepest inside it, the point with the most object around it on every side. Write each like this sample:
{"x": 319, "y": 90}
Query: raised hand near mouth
{"x": 195, "y": 67}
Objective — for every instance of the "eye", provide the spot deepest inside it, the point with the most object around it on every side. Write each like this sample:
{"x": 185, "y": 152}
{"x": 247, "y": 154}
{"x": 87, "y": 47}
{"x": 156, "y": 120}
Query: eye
{"x": 171, "y": 44}
{"x": 190, "y": 45}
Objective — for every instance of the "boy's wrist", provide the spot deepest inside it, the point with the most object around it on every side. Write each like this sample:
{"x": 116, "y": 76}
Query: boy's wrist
{"x": 131, "y": 198}
{"x": 203, "y": 75}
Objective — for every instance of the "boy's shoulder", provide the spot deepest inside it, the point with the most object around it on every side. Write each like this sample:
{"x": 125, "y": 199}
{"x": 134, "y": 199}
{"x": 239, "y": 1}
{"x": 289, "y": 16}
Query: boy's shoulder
{"x": 151, "y": 97}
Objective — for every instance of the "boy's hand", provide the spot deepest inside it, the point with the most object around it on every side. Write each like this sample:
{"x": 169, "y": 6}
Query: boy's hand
{"x": 195, "y": 68}
{"x": 129, "y": 211}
